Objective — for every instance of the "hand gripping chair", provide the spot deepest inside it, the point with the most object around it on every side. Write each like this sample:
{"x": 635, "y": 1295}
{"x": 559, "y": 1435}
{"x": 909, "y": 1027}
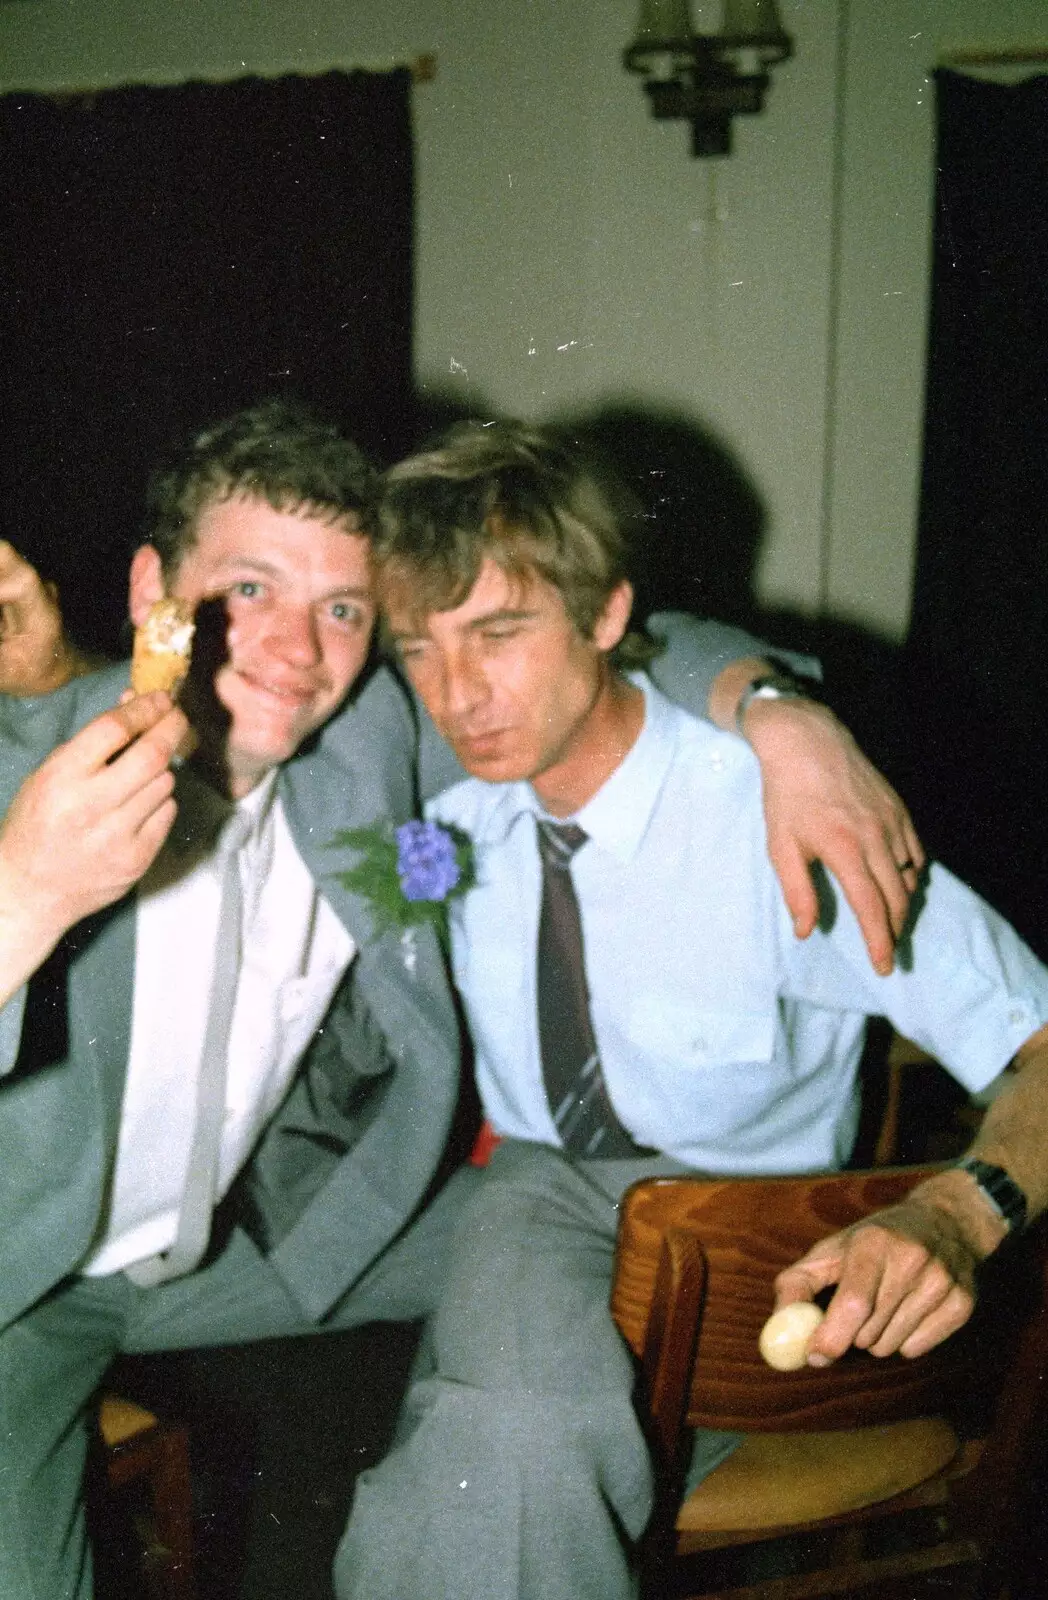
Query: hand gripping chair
{"x": 903, "y": 1477}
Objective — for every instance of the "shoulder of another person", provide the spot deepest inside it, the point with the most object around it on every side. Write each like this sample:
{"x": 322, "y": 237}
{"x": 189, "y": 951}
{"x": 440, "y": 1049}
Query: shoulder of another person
{"x": 374, "y": 725}
{"x": 359, "y": 767}
{"x": 381, "y": 706}
{"x": 42, "y": 721}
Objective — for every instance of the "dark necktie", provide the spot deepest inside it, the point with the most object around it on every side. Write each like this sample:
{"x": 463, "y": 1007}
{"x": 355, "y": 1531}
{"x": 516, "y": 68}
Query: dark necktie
{"x": 575, "y": 1086}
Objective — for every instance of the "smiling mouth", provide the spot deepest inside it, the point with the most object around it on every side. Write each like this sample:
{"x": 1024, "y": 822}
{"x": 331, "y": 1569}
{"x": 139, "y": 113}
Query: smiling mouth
{"x": 284, "y": 694}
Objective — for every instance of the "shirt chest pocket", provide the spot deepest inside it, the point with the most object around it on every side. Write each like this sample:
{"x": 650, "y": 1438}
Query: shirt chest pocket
{"x": 674, "y": 1029}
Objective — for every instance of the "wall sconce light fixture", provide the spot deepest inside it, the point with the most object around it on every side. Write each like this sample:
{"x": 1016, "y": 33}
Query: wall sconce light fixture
{"x": 707, "y": 78}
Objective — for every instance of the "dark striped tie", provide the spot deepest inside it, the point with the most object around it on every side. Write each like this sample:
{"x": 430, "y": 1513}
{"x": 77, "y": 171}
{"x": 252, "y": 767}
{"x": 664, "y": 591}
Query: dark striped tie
{"x": 575, "y": 1087}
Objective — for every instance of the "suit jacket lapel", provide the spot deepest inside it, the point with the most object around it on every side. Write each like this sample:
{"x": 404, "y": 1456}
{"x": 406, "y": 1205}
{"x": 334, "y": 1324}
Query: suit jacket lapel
{"x": 101, "y": 969}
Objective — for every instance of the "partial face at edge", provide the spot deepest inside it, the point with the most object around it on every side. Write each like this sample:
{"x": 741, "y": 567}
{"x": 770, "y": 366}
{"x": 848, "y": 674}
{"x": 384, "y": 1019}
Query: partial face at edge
{"x": 506, "y": 676}
{"x": 299, "y": 597}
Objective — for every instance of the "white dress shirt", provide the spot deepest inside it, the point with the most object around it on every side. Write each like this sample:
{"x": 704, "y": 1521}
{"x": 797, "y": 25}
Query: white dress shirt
{"x": 295, "y": 952}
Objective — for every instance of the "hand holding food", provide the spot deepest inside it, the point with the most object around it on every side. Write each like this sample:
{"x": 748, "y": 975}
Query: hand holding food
{"x": 84, "y": 827}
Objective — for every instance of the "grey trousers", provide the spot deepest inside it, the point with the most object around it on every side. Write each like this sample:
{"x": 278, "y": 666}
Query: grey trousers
{"x": 519, "y": 1471}
{"x": 54, "y": 1358}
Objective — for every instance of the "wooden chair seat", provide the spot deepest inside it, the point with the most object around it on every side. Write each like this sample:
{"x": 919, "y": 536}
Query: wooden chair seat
{"x": 782, "y": 1480}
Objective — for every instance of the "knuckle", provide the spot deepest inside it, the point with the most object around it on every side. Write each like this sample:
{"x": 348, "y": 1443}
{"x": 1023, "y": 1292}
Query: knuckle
{"x": 939, "y": 1276}
{"x": 913, "y": 1259}
{"x": 852, "y": 1306}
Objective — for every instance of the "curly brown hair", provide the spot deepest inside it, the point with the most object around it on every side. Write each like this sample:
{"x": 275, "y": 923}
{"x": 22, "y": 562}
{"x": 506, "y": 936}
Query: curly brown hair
{"x": 279, "y": 451}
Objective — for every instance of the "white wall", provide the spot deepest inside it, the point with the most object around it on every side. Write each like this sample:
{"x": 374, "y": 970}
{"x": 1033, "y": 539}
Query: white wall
{"x": 571, "y": 250}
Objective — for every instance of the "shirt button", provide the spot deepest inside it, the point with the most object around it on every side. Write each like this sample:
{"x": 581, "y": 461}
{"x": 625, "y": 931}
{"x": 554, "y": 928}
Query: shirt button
{"x": 1016, "y": 1015}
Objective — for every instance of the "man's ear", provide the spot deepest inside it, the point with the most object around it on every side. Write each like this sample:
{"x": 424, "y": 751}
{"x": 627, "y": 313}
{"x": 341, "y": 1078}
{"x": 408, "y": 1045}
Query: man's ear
{"x": 614, "y": 619}
{"x": 146, "y": 583}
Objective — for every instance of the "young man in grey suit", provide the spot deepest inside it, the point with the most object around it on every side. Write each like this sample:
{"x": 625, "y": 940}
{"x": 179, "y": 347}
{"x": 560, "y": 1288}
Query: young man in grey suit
{"x": 337, "y": 1046}
{"x": 640, "y": 1004}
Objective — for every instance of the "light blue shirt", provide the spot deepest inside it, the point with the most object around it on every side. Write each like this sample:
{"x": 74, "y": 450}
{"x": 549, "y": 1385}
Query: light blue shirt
{"x": 726, "y": 1042}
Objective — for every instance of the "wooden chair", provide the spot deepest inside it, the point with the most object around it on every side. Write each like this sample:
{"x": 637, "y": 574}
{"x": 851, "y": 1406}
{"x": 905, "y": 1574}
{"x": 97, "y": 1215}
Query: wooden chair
{"x": 904, "y": 1476}
{"x": 140, "y": 1449}
{"x": 942, "y": 1136}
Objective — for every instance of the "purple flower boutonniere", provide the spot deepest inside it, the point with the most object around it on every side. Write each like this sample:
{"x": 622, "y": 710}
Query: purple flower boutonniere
{"x": 408, "y": 875}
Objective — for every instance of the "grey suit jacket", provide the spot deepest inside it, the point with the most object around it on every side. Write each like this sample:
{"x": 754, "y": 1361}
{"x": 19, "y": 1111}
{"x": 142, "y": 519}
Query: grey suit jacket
{"x": 350, "y": 1154}
{"x": 353, "y": 1150}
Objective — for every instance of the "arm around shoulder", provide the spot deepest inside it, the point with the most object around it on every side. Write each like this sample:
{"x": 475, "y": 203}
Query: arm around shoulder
{"x": 823, "y": 800}
{"x": 700, "y": 660}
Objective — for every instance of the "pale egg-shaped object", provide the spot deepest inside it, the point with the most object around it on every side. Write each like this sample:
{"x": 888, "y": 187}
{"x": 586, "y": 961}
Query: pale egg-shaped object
{"x": 786, "y": 1335}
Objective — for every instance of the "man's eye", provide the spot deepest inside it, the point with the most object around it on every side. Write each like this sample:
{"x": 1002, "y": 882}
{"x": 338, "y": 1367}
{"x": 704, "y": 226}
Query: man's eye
{"x": 247, "y": 589}
{"x": 343, "y": 611}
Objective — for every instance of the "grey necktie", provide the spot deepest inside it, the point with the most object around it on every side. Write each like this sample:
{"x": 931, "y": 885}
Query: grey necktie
{"x": 198, "y": 1197}
{"x": 575, "y": 1087}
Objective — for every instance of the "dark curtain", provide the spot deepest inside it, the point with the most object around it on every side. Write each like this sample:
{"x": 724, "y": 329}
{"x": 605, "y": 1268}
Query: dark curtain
{"x": 979, "y": 642}
{"x": 171, "y": 254}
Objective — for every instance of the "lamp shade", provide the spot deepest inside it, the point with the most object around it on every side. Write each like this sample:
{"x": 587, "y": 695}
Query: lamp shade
{"x": 756, "y": 21}
{"x": 663, "y": 23}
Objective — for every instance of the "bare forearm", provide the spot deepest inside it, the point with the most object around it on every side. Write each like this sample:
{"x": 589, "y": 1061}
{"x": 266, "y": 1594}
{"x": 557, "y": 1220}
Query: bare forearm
{"x": 17, "y": 966}
{"x": 26, "y": 939}
{"x": 728, "y": 686}
{"x": 1013, "y": 1136}
{"x": 907, "y": 1276}
{"x": 1014, "y": 1131}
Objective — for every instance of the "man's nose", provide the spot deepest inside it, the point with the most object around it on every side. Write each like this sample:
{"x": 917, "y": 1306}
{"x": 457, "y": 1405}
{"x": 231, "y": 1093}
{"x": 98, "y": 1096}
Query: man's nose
{"x": 293, "y": 636}
{"x": 463, "y": 686}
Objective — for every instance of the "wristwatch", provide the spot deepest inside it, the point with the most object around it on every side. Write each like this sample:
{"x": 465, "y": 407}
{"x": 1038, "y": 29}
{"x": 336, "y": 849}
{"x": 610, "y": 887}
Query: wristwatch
{"x": 771, "y": 686}
{"x": 1001, "y": 1193}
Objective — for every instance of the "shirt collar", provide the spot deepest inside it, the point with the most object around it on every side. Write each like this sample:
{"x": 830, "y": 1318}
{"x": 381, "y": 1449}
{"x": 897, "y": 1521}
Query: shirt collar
{"x": 258, "y": 802}
{"x": 202, "y": 810}
{"x": 617, "y": 816}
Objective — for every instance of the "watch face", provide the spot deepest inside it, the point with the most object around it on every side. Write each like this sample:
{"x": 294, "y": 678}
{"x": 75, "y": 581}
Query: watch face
{"x": 772, "y": 686}
{"x": 776, "y": 691}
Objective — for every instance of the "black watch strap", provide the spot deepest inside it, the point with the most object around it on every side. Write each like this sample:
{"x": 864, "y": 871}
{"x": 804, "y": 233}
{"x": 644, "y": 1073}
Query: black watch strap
{"x": 772, "y": 686}
{"x": 1000, "y": 1191}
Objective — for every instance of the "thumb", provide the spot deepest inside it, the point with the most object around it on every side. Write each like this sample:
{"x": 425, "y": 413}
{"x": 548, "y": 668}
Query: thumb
{"x": 814, "y": 1272}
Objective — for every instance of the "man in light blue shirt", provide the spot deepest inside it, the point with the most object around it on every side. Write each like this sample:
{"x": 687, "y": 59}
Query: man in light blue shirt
{"x": 713, "y": 1038}
{"x": 726, "y": 1042}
